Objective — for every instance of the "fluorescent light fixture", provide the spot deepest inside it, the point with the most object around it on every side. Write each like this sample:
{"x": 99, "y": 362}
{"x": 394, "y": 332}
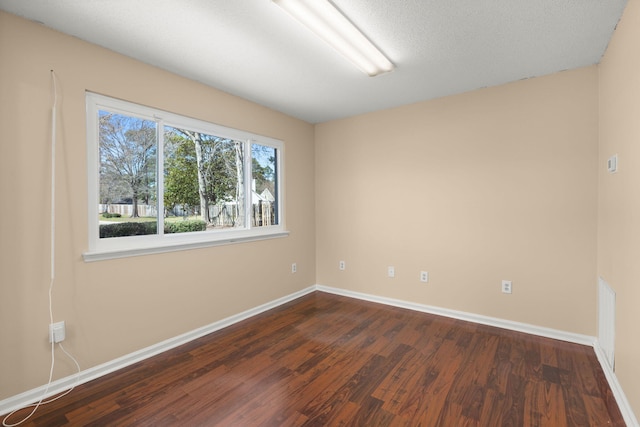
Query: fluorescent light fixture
{"x": 321, "y": 17}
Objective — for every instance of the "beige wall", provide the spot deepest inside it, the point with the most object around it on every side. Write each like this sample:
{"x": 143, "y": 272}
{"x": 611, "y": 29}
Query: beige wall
{"x": 499, "y": 183}
{"x": 115, "y": 307}
{"x": 619, "y": 194}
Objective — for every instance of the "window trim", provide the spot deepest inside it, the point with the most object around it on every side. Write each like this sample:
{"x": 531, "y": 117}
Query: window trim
{"x": 121, "y": 247}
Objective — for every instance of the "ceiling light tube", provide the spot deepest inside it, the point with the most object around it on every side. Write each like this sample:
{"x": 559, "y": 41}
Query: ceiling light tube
{"x": 321, "y": 17}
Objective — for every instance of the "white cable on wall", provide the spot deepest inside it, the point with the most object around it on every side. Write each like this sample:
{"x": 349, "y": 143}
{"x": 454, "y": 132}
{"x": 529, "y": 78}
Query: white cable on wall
{"x": 5, "y": 423}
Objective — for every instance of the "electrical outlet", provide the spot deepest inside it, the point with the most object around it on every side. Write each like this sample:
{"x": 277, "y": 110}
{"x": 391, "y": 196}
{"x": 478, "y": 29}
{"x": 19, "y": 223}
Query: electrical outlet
{"x": 506, "y": 286}
{"x": 294, "y": 268}
{"x": 57, "y": 332}
{"x": 342, "y": 265}
{"x": 424, "y": 276}
{"x": 391, "y": 271}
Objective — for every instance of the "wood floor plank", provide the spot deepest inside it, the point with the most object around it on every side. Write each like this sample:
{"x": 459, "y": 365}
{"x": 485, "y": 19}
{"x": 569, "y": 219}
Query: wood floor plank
{"x": 395, "y": 385}
{"x": 544, "y": 405}
{"x": 327, "y": 360}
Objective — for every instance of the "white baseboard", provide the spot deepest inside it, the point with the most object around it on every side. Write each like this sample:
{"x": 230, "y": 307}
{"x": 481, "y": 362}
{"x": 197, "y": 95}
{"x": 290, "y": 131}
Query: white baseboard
{"x": 621, "y": 399}
{"x": 58, "y": 386}
{"x": 469, "y": 317}
{"x": 616, "y": 389}
{"x": 30, "y": 396}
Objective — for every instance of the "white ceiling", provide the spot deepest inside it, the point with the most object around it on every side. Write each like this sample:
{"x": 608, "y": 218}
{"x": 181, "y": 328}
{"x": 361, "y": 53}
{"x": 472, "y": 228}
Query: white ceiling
{"x": 252, "y": 49}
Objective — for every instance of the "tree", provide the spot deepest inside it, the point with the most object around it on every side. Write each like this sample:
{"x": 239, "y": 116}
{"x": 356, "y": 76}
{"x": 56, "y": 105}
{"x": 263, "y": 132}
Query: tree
{"x": 205, "y": 163}
{"x": 181, "y": 180}
{"x": 127, "y": 156}
{"x": 263, "y": 164}
{"x": 112, "y": 188}
{"x": 263, "y": 176}
{"x": 239, "y": 182}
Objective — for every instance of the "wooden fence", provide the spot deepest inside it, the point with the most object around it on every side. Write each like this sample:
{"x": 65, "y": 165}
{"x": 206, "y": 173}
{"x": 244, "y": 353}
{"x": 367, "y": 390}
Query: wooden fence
{"x": 226, "y": 215}
{"x": 127, "y": 210}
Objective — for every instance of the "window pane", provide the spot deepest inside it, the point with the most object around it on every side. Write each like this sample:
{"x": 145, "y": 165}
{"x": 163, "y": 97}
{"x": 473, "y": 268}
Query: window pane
{"x": 203, "y": 182}
{"x": 128, "y": 195}
{"x": 264, "y": 186}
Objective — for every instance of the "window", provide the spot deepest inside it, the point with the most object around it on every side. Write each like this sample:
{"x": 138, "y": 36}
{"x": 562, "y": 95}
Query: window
{"x": 159, "y": 181}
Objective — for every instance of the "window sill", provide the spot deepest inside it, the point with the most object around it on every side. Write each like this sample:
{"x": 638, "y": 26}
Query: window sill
{"x": 101, "y": 255}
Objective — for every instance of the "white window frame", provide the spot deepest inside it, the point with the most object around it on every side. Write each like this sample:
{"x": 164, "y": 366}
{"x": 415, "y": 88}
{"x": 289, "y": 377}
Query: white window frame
{"x": 120, "y": 247}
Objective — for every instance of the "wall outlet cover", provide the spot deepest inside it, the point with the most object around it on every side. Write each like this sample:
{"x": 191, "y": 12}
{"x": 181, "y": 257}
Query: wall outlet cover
{"x": 506, "y": 287}
{"x": 612, "y": 164}
{"x": 391, "y": 271}
{"x": 57, "y": 332}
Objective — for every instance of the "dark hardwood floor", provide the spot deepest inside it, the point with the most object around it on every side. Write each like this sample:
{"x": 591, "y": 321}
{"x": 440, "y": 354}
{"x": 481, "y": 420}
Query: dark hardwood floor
{"x": 326, "y": 360}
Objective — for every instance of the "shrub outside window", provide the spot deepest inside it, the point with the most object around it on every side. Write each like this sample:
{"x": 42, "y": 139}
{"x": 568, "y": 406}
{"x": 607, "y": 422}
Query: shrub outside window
{"x": 159, "y": 182}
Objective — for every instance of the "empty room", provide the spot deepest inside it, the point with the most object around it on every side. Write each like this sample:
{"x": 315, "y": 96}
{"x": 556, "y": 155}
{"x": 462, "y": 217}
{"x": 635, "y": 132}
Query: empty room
{"x": 318, "y": 213}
